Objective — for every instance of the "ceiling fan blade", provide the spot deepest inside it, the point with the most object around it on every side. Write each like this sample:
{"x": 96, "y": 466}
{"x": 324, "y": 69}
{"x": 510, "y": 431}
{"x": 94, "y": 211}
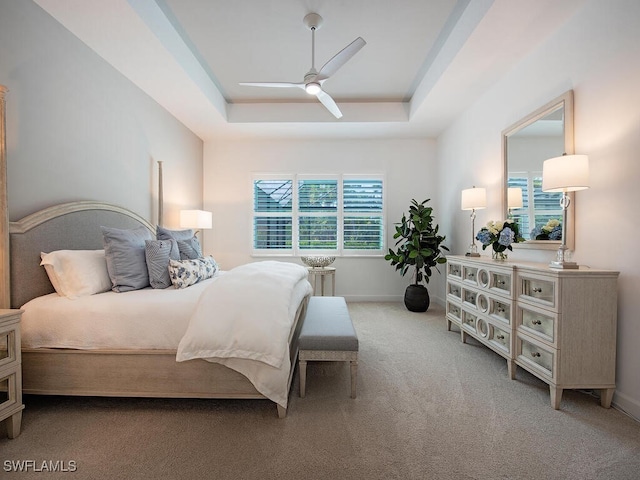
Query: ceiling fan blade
{"x": 272, "y": 84}
{"x": 328, "y": 102}
{"x": 340, "y": 58}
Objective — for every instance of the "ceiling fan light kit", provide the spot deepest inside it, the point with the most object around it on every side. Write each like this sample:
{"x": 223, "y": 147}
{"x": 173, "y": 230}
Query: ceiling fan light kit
{"x": 313, "y": 79}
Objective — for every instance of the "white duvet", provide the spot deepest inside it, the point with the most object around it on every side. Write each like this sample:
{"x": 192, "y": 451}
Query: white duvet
{"x": 244, "y": 322}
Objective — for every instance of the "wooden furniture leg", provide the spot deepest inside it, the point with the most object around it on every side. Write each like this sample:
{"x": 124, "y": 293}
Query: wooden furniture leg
{"x": 556, "y": 396}
{"x": 354, "y": 376}
{"x": 303, "y": 377}
{"x": 13, "y": 424}
{"x": 606, "y": 396}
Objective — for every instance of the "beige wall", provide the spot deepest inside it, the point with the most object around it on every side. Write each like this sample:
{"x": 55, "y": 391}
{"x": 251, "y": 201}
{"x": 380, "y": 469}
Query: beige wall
{"x": 78, "y": 130}
{"x": 408, "y": 167}
{"x": 597, "y": 54}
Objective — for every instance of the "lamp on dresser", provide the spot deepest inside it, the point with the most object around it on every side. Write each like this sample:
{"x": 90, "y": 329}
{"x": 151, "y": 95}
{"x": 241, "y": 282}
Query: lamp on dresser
{"x": 567, "y": 173}
{"x": 473, "y": 199}
{"x": 514, "y": 198}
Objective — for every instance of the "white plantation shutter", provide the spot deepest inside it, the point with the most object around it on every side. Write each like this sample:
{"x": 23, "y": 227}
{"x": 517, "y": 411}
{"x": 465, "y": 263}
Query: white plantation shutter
{"x": 337, "y": 214}
{"x": 363, "y": 209}
{"x": 272, "y": 214}
{"x": 537, "y": 206}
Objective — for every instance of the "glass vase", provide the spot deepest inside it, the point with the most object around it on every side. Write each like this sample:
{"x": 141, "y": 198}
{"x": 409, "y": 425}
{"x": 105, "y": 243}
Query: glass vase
{"x": 499, "y": 256}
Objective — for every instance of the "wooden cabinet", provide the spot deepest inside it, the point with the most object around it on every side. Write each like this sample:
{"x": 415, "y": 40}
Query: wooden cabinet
{"x": 559, "y": 325}
{"x": 10, "y": 371}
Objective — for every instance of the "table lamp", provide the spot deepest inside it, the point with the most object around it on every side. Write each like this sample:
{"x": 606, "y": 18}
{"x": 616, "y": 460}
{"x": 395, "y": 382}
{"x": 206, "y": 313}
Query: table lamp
{"x": 567, "y": 173}
{"x": 473, "y": 199}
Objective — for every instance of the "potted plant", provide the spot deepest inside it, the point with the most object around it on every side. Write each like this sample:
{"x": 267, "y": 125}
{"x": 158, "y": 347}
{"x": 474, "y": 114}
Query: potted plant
{"x": 418, "y": 246}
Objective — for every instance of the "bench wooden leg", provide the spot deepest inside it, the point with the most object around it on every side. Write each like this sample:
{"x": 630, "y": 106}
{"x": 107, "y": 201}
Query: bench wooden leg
{"x": 303, "y": 377}
{"x": 354, "y": 376}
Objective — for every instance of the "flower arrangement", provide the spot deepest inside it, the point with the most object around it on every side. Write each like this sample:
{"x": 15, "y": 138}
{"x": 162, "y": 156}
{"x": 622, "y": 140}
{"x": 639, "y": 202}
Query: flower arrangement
{"x": 552, "y": 230}
{"x": 500, "y": 235}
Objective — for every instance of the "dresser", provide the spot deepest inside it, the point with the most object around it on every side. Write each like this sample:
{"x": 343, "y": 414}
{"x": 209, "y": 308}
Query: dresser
{"x": 559, "y": 325}
{"x": 10, "y": 371}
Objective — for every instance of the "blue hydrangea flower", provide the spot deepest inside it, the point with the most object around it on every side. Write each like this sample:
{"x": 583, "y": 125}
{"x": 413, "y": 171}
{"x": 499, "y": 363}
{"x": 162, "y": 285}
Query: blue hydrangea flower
{"x": 556, "y": 233}
{"x": 506, "y": 237}
{"x": 484, "y": 237}
{"x": 535, "y": 232}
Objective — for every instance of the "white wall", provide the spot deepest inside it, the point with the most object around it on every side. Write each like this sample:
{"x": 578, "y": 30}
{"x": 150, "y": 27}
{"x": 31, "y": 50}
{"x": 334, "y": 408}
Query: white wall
{"x": 597, "y": 54}
{"x": 78, "y": 130}
{"x": 408, "y": 166}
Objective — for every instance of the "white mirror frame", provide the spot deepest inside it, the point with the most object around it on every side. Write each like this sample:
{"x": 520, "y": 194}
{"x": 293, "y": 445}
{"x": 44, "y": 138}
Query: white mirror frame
{"x": 565, "y": 101}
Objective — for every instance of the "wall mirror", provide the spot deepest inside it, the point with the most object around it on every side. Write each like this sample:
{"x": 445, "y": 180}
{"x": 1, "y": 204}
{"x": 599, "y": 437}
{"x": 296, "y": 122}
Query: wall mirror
{"x": 544, "y": 134}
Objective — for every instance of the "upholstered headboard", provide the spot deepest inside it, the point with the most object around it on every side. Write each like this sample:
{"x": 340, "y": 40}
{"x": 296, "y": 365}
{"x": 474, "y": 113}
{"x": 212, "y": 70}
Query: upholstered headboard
{"x": 69, "y": 226}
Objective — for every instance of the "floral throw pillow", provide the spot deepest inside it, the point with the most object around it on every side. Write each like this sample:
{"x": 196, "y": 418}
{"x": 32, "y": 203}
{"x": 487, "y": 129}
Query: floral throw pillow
{"x": 184, "y": 273}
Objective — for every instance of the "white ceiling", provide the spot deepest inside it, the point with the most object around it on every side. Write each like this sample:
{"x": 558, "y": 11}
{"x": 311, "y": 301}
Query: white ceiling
{"x": 425, "y": 60}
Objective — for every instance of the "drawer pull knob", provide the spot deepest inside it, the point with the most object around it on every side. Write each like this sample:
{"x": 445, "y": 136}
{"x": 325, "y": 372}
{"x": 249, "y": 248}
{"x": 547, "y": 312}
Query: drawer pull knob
{"x": 536, "y": 322}
{"x": 470, "y": 275}
{"x": 500, "y": 310}
{"x": 500, "y": 337}
{"x": 535, "y": 354}
{"x": 501, "y": 282}
{"x": 537, "y": 290}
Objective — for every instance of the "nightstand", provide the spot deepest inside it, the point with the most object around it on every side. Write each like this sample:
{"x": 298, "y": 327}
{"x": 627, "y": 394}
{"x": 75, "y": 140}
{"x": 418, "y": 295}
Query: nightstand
{"x": 10, "y": 371}
{"x": 323, "y": 272}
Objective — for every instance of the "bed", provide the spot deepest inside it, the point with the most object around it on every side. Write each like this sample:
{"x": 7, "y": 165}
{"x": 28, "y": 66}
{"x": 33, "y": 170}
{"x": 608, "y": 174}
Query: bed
{"x": 116, "y": 369}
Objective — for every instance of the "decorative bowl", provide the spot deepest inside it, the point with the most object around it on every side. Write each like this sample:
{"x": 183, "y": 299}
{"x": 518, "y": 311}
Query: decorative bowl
{"x": 317, "y": 261}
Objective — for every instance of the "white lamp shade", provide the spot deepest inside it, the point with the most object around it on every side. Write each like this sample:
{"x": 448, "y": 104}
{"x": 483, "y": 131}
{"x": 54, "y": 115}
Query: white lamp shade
{"x": 567, "y": 173}
{"x": 474, "y": 199}
{"x": 195, "y": 219}
{"x": 514, "y": 197}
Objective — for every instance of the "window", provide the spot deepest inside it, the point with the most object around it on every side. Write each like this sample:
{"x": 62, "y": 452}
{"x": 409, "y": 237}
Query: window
{"x": 537, "y": 206}
{"x": 298, "y": 214}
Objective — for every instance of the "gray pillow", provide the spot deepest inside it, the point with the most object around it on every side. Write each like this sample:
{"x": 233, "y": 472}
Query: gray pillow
{"x": 157, "y": 254}
{"x": 125, "y": 254}
{"x": 188, "y": 243}
{"x": 177, "y": 235}
{"x": 189, "y": 249}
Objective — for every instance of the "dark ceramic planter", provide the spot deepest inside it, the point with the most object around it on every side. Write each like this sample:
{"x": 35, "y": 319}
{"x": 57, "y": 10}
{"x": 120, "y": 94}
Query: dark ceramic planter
{"x": 416, "y": 298}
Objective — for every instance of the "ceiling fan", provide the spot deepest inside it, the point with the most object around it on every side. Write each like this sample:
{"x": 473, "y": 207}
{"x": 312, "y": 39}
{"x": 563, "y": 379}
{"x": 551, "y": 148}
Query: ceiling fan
{"x": 314, "y": 79}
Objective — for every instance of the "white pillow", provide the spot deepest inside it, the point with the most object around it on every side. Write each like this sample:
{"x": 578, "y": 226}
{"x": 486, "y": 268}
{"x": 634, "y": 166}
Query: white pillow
{"x": 77, "y": 273}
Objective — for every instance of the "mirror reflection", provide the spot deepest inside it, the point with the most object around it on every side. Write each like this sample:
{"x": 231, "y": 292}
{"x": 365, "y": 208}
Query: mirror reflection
{"x": 544, "y": 134}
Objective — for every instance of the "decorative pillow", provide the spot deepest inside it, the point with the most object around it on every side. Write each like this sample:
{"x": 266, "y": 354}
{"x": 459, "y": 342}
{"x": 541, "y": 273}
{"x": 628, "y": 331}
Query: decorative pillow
{"x": 158, "y": 253}
{"x": 190, "y": 249}
{"x": 166, "y": 234}
{"x": 77, "y": 273}
{"x": 125, "y": 254}
{"x": 188, "y": 243}
{"x": 185, "y": 273}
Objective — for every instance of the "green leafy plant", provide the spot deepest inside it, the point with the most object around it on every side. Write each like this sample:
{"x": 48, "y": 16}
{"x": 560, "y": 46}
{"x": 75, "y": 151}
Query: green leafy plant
{"x": 419, "y": 245}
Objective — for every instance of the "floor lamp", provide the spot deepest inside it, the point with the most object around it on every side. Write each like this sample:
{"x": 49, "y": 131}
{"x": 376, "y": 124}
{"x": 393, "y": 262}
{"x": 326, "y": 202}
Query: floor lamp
{"x": 473, "y": 199}
{"x": 568, "y": 173}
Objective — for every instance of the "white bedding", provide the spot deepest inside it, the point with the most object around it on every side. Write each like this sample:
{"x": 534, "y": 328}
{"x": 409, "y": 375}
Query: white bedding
{"x": 244, "y": 322}
{"x": 141, "y": 319}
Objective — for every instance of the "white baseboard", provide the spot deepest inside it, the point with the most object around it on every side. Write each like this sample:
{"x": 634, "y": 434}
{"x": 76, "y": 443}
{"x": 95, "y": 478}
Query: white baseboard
{"x": 386, "y": 298}
{"x": 374, "y": 298}
{"x": 627, "y": 405}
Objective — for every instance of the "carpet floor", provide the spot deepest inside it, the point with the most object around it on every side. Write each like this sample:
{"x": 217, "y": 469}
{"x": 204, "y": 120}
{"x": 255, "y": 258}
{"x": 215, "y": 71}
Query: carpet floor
{"x": 428, "y": 407}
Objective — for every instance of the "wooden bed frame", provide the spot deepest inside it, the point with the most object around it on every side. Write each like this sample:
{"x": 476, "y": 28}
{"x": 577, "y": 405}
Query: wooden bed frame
{"x": 119, "y": 373}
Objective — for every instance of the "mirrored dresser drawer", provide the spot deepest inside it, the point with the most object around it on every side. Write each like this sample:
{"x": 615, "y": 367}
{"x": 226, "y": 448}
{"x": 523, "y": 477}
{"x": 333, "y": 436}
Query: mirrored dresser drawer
{"x": 10, "y": 372}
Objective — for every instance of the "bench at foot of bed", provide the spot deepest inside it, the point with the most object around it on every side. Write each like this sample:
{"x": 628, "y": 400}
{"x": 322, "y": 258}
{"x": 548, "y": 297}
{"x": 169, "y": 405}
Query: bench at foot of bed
{"x": 328, "y": 335}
